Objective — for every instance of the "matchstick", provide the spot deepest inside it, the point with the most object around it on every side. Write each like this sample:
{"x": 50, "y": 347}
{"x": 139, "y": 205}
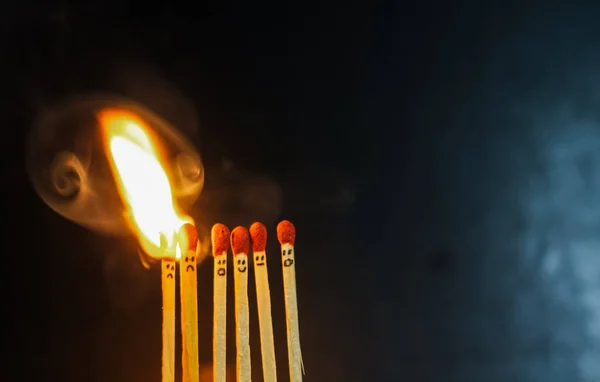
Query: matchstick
{"x": 168, "y": 267}
{"x": 240, "y": 245}
{"x": 220, "y": 242}
{"x": 286, "y": 234}
{"x": 189, "y": 246}
{"x": 258, "y": 235}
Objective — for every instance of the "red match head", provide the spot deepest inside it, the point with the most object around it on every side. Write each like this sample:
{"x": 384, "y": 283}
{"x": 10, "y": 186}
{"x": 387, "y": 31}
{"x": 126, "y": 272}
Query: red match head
{"x": 258, "y": 234}
{"x": 188, "y": 237}
{"x": 286, "y": 233}
{"x": 220, "y": 239}
{"x": 240, "y": 241}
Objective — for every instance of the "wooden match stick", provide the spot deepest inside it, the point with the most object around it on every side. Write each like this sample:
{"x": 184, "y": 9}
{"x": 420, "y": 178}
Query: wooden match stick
{"x": 220, "y": 242}
{"x": 286, "y": 234}
{"x": 189, "y": 245}
{"x": 258, "y": 235}
{"x": 168, "y": 267}
{"x": 240, "y": 246}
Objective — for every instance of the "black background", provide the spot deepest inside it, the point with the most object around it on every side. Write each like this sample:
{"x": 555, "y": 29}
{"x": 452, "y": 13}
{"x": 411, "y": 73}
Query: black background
{"x": 412, "y": 143}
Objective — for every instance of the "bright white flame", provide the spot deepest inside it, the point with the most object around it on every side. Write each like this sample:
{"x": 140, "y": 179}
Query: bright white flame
{"x": 142, "y": 180}
{"x": 147, "y": 187}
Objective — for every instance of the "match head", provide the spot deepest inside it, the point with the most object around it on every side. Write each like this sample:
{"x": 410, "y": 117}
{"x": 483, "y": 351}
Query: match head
{"x": 240, "y": 241}
{"x": 188, "y": 237}
{"x": 258, "y": 234}
{"x": 220, "y": 239}
{"x": 286, "y": 232}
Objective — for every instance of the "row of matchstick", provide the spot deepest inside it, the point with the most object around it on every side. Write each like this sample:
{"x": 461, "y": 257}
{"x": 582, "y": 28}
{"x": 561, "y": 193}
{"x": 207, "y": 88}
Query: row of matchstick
{"x": 240, "y": 239}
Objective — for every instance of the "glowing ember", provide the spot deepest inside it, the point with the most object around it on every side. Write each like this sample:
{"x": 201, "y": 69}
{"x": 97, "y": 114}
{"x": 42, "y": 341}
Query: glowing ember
{"x": 142, "y": 181}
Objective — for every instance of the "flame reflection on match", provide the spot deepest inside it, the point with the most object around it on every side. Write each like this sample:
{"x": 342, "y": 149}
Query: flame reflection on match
{"x": 136, "y": 161}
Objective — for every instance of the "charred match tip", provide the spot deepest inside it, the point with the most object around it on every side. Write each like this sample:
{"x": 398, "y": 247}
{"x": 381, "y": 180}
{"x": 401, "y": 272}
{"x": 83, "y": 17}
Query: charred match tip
{"x": 286, "y": 232}
{"x": 188, "y": 236}
{"x": 220, "y": 239}
{"x": 258, "y": 235}
{"x": 240, "y": 241}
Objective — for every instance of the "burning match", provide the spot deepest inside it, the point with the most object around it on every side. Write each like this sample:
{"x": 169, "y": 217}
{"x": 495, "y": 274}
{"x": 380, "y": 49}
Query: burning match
{"x": 168, "y": 267}
{"x": 220, "y": 242}
{"x": 286, "y": 234}
{"x": 189, "y": 245}
{"x": 146, "y": 192}
{"x": 240, "y": 245}
{"x": 258, "y": 234}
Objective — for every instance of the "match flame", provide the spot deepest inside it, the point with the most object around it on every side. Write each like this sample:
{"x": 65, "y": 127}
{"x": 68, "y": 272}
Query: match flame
{"x": 142, "y": 181}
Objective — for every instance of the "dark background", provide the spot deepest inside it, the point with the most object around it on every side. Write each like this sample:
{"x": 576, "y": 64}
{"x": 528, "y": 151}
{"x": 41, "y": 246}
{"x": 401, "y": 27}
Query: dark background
{"x": 440, "y": 162}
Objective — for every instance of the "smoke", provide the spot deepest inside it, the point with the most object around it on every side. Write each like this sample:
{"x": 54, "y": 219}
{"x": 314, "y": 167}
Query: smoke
{"x": 563, "y": 210}
{"x": 538, "y": 191}
{"x": 510, "y": 182}
{"x": 69, "y": 171}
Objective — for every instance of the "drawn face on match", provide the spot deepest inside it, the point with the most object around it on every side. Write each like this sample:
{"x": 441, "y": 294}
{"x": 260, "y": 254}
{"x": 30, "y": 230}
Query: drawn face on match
{"x": 221, "y": 265}
{"x": 288, "y": 257}
{"x": 170, "y": 269}
{"x": 259, "y": 260}
{"x": 241, "y": 263}
{"x": 189, "y": 262}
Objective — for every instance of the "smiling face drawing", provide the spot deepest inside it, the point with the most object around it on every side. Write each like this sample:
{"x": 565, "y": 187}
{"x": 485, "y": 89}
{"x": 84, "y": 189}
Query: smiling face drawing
{"x": 221, "y": 266}
{"x": 288, "y": 257}
{"x": 241, "y": 263}
{"x": 259, "y": 259}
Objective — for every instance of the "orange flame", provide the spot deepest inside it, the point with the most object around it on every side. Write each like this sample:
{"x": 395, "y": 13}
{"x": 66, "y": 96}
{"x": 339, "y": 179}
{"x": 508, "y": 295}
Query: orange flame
{"x": 142, "y": 181}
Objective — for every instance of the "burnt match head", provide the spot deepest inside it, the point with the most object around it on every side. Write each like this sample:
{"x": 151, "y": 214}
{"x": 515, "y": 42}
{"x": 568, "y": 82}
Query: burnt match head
{"x": 240, "y": 240}
{"x": 286, "y": 233}
{"x": 188, "y": 237}
{"x": 220, "y": 239}
{"x": 258, "y": 235}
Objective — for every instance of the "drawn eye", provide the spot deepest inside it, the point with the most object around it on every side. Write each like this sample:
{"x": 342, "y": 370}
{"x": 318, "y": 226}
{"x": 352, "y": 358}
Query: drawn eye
{"x": 243, "y": 262}
{"x": 283, "y": 253}
{"x": 262, "y": 257}
{"x": 224, "y": 261}
{"x": 289, "y": 251}
{"x": 257, "y": 257}
{"x": 239, "y": 262}
{"x": 219, "y": 262}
